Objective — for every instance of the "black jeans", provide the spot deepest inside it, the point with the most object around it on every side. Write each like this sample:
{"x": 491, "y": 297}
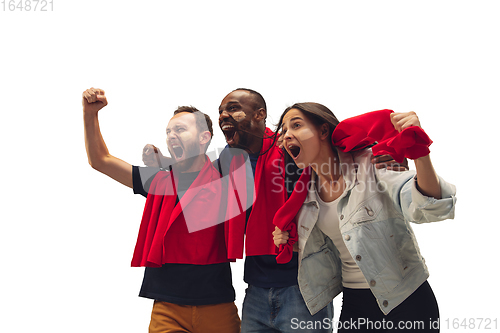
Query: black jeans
{"x": 361, "y": 313}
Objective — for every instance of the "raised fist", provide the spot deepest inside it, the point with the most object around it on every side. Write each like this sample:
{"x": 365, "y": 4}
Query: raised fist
{"x": 93, "y": 100}
{"x": 402, "y": 120}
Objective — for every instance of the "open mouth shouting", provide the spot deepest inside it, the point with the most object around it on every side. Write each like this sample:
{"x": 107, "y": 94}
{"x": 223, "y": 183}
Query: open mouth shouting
{"x": 177, "y": 151}
{"x": 229, "y": 131}
{"x": 294, "y": 151}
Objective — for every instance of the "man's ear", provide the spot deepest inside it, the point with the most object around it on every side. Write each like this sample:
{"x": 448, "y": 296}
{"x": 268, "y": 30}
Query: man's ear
{"x": 205, "y": 137}
{"x": 260, "y": 114}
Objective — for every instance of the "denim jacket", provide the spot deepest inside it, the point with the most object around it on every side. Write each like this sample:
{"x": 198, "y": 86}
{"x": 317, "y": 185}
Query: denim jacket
{"x": 374, "y": 214}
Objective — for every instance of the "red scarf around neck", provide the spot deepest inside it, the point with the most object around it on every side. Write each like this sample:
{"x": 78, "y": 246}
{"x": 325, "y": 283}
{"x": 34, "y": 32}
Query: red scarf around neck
{"x": 269, "y": 196}
{"x": 354, "y": 134}
{"x": 188, "y": 232}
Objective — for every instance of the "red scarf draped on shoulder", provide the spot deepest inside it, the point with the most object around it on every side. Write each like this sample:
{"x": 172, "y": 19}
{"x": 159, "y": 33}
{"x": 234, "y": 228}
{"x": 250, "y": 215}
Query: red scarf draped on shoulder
{"x": 353, "y": 134}
{"x": 269, "y": 196}
{"x": 187, "y": 232}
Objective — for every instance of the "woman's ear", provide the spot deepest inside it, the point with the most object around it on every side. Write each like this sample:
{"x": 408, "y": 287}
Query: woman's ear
{"x": 324, "y": 130}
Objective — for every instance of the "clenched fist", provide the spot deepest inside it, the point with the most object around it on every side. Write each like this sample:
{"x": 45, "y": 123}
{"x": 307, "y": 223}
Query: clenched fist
{"x": 404, "y": 120}
{"x": 151, "y": 156}
{"x": 280, "y": 237}
{"x": 93, "y": 100}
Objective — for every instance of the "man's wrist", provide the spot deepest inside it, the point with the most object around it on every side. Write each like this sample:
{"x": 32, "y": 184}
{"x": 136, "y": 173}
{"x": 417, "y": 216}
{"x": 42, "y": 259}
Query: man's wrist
{"x": 89, "y": 114}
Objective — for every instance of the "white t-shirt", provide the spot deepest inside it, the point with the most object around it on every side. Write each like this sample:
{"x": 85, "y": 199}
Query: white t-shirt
{"x": 328, "y": 222}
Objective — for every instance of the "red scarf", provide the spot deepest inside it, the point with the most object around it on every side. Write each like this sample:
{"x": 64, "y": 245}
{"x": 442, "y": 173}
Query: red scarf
{"x": 353, "y": 134}
{"x": 361, "y": 131}
{"x": 269, "y": 196}
{"x": 188, "y": 232}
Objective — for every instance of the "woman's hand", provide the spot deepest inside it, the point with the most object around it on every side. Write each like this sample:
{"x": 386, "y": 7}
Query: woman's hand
{"x": 427, "y": 179}
{"x": 280, "y": 237}
{"x": 402, "y": 120}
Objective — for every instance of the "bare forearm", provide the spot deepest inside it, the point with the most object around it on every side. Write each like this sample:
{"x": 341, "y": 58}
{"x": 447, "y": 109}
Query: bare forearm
{"x": 427, "y": 179}
{"x": 94, "y": 143}
{"x": 99, "y": 156}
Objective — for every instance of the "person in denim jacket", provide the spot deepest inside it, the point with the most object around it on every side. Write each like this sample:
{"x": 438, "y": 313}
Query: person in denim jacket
{"x": 354, "y": 234}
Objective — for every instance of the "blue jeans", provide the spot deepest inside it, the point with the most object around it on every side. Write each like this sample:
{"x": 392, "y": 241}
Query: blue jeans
{"x": 282, "y": 310}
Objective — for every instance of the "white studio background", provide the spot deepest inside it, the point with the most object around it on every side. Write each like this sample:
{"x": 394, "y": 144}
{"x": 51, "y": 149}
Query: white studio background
{"x": 67, "y": 232}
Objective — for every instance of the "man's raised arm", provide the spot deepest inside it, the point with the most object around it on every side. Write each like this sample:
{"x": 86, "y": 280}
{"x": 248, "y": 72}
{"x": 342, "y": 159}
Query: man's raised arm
{"x": 98, "y": 155}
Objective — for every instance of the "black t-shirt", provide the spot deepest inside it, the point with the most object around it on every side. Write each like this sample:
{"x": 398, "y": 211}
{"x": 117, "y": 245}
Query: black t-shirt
{"x": 264, "y": 271}
{"x": 183, "y": 284}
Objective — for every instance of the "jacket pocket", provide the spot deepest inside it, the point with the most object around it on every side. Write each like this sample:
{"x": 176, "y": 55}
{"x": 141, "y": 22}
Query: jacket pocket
{"x": 306, "y": 218}
{"x": 367, "y": 211}
{"x": 320, "y": 268}
{"x": 409, "y": 253}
